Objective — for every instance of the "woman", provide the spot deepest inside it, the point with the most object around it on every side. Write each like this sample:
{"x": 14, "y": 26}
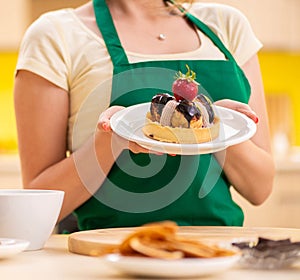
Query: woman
{"x": 75, "y": 64}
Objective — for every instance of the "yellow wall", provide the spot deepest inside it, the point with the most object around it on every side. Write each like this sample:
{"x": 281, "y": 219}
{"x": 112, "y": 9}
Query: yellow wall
{"x": 280, "y": 73}
{"x": 8, "y": 138}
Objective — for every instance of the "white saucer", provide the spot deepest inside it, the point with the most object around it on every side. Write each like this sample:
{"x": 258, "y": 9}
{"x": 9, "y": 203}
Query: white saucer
{"x": 182, "y": 268}
{"x": 10, "y": 247}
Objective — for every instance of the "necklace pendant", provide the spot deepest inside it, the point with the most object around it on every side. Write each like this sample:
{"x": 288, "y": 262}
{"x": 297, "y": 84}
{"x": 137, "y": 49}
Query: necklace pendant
{"x": 162, "y": 37}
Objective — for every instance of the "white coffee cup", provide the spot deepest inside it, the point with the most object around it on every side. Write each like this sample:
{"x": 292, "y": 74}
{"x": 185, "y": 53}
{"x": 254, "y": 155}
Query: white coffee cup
{"x": 29, "y": 214}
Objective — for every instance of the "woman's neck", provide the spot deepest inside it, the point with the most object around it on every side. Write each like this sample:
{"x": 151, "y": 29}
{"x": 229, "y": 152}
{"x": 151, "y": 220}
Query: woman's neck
{"x": 146, "y": 26}
{"x": 146, "y": 8}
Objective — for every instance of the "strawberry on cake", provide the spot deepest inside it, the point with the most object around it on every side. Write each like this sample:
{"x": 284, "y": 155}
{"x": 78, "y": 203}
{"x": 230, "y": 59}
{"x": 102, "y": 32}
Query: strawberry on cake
{"x": 186, "y": 118}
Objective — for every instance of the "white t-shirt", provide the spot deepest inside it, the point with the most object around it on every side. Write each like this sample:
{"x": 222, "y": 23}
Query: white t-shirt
{"x": 62, "y": 49}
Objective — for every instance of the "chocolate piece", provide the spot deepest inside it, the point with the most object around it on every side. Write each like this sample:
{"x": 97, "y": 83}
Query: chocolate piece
{"x": 208, "y": 105}
{"x": 264, "y": 244}
{"x": 157, "y": 104}
{"x": 268, "y": 253}
{"x": 280, "y": 245}
{"x": 189, "y": 110}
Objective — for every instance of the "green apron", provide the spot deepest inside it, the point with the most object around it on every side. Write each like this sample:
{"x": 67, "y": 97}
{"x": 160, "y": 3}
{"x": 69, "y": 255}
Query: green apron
{"x": 142, "y": 188}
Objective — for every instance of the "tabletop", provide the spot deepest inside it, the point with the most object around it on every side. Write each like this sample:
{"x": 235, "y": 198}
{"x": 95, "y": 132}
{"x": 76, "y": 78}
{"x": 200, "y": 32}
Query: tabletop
{"x": 56, "y": 262}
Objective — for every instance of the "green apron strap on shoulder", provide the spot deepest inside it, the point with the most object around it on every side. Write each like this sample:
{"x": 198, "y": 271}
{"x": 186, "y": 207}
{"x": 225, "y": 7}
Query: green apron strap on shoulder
{"x": 109, "y": 33}
{"x": 215, "y": 39}
{"x": 205, "y": 29}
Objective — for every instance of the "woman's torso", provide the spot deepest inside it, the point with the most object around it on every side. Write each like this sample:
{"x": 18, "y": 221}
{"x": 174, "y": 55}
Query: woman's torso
{"x": 88, "y": 72}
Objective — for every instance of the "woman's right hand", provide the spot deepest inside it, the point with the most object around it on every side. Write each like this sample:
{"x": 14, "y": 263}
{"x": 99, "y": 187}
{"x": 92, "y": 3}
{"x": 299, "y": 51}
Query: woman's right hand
{"x": 104, "y": 118}
{"x": 104, "y": 125}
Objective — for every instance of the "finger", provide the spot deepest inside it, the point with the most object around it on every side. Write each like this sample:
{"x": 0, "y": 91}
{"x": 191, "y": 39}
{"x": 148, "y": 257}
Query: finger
{"x": 136, "y": 149}
{"x": 249, "y": 113}
{"x": 104, "y": 121}
{"x": 108, "y": 113}
{"x": 104, "y": 124}
{"x": 104, "y": 118}
{"x": 239, "y": 107}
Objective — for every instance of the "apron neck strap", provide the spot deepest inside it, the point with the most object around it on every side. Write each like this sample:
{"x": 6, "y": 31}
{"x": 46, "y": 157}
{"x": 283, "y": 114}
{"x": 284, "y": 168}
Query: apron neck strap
{"x": 109, "y": 33}
{"x": 205, "y": 29}
{"x": 211, "y": 35}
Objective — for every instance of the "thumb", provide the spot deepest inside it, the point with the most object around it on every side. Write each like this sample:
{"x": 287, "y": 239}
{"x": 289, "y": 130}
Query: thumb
{"x": 105, "y": 116}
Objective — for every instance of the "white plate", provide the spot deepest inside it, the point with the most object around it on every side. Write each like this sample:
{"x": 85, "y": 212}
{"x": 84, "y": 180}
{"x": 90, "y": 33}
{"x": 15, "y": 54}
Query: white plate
{"x": 235, "y": 128}
{"x": 10, "y": 247}
{"x": 151, "y": 267}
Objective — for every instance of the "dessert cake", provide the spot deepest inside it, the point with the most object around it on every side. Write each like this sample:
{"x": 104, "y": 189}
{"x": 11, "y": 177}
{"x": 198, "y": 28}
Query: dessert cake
{"x": 186, "y": 117}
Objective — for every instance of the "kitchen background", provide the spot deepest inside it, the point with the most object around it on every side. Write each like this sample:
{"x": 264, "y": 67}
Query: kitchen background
{"x": 276, "y": 24}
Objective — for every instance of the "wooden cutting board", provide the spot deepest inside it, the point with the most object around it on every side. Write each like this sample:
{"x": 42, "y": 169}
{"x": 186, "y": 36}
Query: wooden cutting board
{"x": 97, "y": 242}
{"x": 105, "y": 241}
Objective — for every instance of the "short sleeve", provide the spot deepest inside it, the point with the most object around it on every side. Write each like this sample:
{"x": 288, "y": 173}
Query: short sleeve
{"x": 42, "y": 51}
{"x": 241, "y": 40}
{"x": 231, "y": 26}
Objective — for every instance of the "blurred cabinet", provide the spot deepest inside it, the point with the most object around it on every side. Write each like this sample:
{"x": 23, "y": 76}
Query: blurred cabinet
{"x": 276, "y": 23}
{"x": 10, "y": 172}
{"x": 14, "y": 19}
{"x": 39, "y": 7}
{"x": 282, "y": 208}
{"x": 281, "y": 122}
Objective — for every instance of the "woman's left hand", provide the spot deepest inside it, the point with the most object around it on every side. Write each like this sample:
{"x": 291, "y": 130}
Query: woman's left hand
{"x": 239, "y": 107}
